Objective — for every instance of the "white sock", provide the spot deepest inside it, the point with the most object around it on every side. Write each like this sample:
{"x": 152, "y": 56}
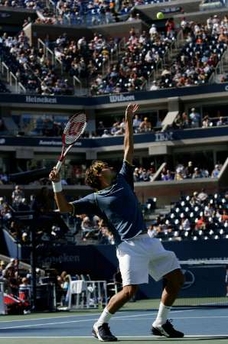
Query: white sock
{"x": 162, "y": 315}
{"x": 104, "y": 317}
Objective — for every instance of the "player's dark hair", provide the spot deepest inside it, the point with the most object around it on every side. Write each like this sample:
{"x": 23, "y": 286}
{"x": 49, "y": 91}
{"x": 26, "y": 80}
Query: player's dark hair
{"x": 91, "y": 175}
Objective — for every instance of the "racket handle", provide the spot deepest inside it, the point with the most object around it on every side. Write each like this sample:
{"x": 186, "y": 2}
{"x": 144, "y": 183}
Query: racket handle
{"x": 58, "y": 165}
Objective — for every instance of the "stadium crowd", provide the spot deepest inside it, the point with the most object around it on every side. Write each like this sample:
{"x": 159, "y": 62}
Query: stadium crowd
{"x": 198, "y": 216}
{"x": 110, "y": 67}
{"x": 52, "y": 126}
{"x": 195, "y": 216}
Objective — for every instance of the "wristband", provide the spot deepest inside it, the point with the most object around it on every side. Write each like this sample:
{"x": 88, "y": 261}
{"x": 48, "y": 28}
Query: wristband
{"x": 57, "y": 187}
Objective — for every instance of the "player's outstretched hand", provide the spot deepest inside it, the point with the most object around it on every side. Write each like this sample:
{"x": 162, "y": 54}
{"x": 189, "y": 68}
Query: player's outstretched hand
{"x": 131, "y": 109}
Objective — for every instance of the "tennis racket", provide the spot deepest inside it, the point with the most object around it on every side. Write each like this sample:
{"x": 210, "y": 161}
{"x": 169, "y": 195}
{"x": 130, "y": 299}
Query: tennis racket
{"x": 73, "y": 130}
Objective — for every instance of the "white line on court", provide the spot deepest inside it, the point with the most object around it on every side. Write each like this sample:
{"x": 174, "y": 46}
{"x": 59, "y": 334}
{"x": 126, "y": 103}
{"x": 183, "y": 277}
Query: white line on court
{"x": 186, "y": 337}
{"x": 92, "y": 318}
{"x": 27, "y": 319}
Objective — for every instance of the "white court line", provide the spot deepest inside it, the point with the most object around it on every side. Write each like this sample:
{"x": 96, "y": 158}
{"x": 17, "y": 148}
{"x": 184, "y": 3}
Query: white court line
{"x": 57, "y": 317}
{"x": 126, "y": 317}
{"x": 91, "y": 315}
{"x": 86, "y": 315}
{"x": 121, "y": 317}
{"x": 44, "y": 324}
{"x": 186, "y": 337}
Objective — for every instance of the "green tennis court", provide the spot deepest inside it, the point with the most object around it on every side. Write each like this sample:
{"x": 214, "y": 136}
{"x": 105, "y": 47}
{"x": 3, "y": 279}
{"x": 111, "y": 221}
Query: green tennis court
{"x": 131, "y": 324}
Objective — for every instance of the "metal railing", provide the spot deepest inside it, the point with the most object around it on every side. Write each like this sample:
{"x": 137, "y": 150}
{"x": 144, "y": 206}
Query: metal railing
{"x": 49, "y": 54}
{"x": 221, "y": 67}
{"x": 77, "y": 85}
{"x": 11, "y": 79}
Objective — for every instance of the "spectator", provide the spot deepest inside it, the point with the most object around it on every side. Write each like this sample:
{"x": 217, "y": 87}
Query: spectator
{"x": 25, "y": 295}
{"x": 215, "y": 172}
{"x": 209, "y": 210}
{"x": 106, "y": 133}
{"x": 185, "y": 120}
{"x": 136, "y": 123}
{"x": 196, "y": 173}
{"x": 206, "y": 122}
{"x": 153, "y": 31}
{"x": 144, "y": 176}
{"x": 2, "y": 267}
{"x": 136, "y": 175}
{"x": 180, "y": 172}
{"x": 63, "y": 281}
{"x": 170, "y": 28}
{"x": 100, "y": 128}
{"x": 145, "y": 125}
{"x": 185, "y": 224}
{"x": 154, "y": 86}
{"x": 202, "y": 196}
{"x": 90, "y": 227}
{"x": 166, "y": 175}
{"x": 10, "y": 273}
{"x": 178, "y": 122}
{"x": 220, "y": 122}
{"x": 224, "y": 216}
{"x": 204, "y": 172}
{"x": 189, "y": 170}
{"x": 201, "y": 223}
{"x": 194, "y": 118}
{"x": 193, "y": 200}
{"x": 105, "y": 237}
{"x": 17, "y": 196}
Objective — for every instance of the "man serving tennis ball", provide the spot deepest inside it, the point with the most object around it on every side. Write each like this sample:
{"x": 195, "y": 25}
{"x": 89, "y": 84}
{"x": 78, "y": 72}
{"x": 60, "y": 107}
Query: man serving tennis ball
{"x": 139, "y": 254}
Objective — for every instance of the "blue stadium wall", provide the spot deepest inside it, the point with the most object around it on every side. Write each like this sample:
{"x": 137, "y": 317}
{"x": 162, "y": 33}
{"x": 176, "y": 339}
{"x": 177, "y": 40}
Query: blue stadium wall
{"x": 101, "y": 263}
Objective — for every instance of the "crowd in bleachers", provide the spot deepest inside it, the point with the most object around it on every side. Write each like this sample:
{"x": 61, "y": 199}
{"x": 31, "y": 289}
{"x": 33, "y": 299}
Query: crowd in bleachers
{"x": 74, "y": 174}
{"x": 144, "y": 52}
{"x": 31, "y": 67}
{"x": 141, "y": 54}
{"x": 52, "y": 126}
{"x": 199, "y": 216}
{"x": 180, "y": 172}
{"x": 197, "y": 59}
{"x": 39, "y": 212}
{"x": 48, "y": 225}
{"x": 17, "y": 296}
{"x": 17, "y": 281}
{"x": 190, "y": 171}
{"x": 77, "y": 12}
{"x": 196, "y": 216}
{"x": 132, "y": 68}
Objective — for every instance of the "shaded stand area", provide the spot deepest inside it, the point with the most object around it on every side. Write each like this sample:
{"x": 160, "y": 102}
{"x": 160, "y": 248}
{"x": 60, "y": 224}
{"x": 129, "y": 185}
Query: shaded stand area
{"x": 42, "y": 292}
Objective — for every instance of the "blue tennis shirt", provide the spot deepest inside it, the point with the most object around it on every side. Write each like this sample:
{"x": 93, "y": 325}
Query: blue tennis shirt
{"x": 117, "y": 205}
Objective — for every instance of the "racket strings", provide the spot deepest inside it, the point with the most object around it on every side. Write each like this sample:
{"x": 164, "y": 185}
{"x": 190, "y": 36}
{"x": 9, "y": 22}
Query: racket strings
{"x": 74, "y": 128}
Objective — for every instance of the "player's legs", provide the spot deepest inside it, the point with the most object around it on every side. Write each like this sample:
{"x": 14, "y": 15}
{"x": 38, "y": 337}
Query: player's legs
{"x": 118, "y": 300}
{"x": 134, "y": 270}
{"x": 101, "y": 329}
{"x": 164, "y": 265}
{"x": 136, "y": 258}
{"x": 173, "y": 282}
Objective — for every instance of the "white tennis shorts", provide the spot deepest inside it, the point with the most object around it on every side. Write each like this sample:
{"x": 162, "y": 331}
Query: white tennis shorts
{"x": 143, "y": 256}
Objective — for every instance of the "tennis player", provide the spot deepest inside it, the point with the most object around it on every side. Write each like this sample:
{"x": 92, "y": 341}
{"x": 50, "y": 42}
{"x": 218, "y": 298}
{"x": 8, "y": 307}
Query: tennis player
{"x": 139, "y": 254}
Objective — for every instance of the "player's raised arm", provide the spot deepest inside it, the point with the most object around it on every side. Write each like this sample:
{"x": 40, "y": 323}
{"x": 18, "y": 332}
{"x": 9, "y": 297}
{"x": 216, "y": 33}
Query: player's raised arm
{"x": 61, "y": 202}
{"x": 128, "y": 136}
